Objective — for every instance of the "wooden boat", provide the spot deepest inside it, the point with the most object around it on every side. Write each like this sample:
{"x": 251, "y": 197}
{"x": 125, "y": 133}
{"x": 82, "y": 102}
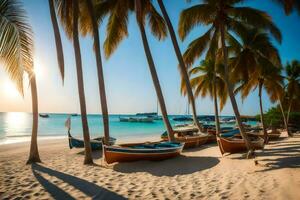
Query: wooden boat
{"x": 44, "y": 115}
{"x": 96, "y": 143}
{"x": 212, "y": 130}
{"x": 236, "y": 145}
{"x": 228, "y": 134}
{"x": 273, "y": 134}
{"x": 141, "y": 151}
{"x": 189, "y": 135}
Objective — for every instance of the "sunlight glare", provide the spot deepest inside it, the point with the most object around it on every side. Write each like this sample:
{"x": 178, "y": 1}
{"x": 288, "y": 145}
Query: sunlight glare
{"x": 10, "y": 89}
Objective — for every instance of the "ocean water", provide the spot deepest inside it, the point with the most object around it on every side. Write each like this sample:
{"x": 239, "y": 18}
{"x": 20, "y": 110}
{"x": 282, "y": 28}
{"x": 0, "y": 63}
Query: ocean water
{"x": 16, "y": 127}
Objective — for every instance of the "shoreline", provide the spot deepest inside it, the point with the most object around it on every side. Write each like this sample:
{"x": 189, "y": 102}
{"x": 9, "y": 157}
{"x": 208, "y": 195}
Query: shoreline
{"x": 26, "y": 139}
{"x": 200, "y": 173}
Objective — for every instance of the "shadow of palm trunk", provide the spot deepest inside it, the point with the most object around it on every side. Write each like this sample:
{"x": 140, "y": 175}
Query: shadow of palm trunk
{"x": 90, "y": 189}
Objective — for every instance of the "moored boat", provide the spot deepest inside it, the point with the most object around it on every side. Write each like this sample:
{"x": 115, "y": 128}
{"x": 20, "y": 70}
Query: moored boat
{"x": 137, "y": 119}
{"x": 44, "y": 115}
{"x": 236, "y": 145}
{"x": 96, "y": 143}
{"x": 183, "y": 119}
{"x": 141, "y": 151}
{"x": 189, "y": 135}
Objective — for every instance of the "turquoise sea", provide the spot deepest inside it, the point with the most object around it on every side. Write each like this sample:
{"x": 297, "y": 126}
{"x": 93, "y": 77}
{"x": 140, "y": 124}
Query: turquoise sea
{"x": 16, "y": 127}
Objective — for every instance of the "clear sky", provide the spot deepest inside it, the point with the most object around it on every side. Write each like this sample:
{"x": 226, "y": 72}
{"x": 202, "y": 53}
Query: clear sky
{"x": 128, "y": 82}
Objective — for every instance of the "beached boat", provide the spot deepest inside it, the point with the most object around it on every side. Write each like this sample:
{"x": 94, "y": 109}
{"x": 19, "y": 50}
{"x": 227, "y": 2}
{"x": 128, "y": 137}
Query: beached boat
{"x": 141, "y": 151}
{"x": 274, "y": 134}
{"x": 189, "y": 135}
{"x": 225, "y": 132}
{"x": 96, "y": 143}
{"x": 44, "y": 115}
{"x": 137, "y": 119}
{"x": 236, "y": 145}
{"x": 230, "y": 133}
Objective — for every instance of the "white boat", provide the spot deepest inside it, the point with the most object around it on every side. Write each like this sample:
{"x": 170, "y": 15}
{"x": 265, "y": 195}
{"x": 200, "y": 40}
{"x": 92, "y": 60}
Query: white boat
{"x": 137, "y": 119}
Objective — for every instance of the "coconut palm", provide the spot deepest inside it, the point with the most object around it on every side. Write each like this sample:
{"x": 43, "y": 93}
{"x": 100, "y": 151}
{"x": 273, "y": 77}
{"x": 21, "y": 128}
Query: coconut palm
{"x": 69, "y": 13}
{"x": 101, "y": 83}
{"x": 206, "y": 79}
{"x": 16, "y": 47}
{"x": 88, "y": 24}
{"x": 59, "y": 49}
{"x": 117, "y": 31}
{"x": 289, "y": 5}
{"x": 293, "y": 83}
{"x": 183, "y": 70}
{"x": 224, "y": 18}
{"x": 257, "y": 65}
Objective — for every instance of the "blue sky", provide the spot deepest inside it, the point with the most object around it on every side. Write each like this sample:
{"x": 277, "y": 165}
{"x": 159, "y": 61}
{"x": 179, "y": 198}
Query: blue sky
{"x": 128, "y": 82}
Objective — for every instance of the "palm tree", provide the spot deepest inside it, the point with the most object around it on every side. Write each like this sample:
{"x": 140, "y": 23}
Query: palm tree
{"x": 88, "y": 24}
{"x": 59, "y": 49}
{"x": 206, "y": 79}
{"x": 183, "y": 70}
{"x": 293, "y": 83}
{"x": 289, "y": 5}
{"x": 101, "y": 84}
{"x": 16, "y": 47}
{"x": 117, "y": 31}
{"x": 224, "y": 17}
{"x": 86, "y": 135}
{"x": 69, "y": 13}
{"x": 256, "y": 64}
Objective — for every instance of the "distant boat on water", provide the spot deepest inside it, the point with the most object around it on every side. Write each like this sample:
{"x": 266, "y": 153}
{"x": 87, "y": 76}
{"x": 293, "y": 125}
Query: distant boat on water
{"x": 153, "y": 115}
{"x": 44, "y": 115}
{"x": 137, "y": 119}
{"x": 183, "y": 119}
{"x": 74, "y": 115}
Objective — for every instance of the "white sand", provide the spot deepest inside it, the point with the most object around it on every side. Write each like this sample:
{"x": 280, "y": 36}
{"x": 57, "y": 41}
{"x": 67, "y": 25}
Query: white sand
{"x": 200, "y": 173}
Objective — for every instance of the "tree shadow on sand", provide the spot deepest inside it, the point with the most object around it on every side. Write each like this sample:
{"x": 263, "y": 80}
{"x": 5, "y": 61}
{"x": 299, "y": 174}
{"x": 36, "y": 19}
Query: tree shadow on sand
{"x": 90, "y": 189}
{"x": 95, "y": 154}
{"x": 177, "y": 166}
{"x": 281, "y": 155}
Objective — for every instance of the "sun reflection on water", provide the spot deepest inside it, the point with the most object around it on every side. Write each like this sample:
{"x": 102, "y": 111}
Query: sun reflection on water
{"x": 16, "y": 124}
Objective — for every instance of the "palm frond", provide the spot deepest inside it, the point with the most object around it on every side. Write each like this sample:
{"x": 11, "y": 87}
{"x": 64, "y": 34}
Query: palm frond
{"x": 195, "y": 15}
{"x": 157, "y": 23}
{"x": 256, "y": 18}
{"x": 16, "y": 43}
{"x": 196, "y": 48}
{"x": 116, "y": 29}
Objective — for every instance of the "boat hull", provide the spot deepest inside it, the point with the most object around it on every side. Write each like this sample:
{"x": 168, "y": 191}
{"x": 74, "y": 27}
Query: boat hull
{"x": 96, "y": 144}
{"x": 191, "y": 141}
{"x": 125, "y": 153}
{"x": 236, "y": 145}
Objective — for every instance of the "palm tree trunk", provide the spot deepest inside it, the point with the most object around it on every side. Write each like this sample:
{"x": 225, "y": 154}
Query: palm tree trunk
{"x": 59, "y": 49}
{"x": 34, "y": 152}
{"x": 86, "y": 136}
{"x": 154, "y": 73}
{"x": 289, "y": 111}
{"x": 266, "y": 137}
{"x": 182, "y": 66}
{"x": 284, "y": 119}
{"x": 217, "y": 121}
{"x": 231, "y": 94}
{"x": 101, "y": 83}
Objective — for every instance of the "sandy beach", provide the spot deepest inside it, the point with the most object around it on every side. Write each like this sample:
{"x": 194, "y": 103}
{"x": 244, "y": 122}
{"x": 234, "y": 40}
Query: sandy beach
{"x": 200, "y": 173}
